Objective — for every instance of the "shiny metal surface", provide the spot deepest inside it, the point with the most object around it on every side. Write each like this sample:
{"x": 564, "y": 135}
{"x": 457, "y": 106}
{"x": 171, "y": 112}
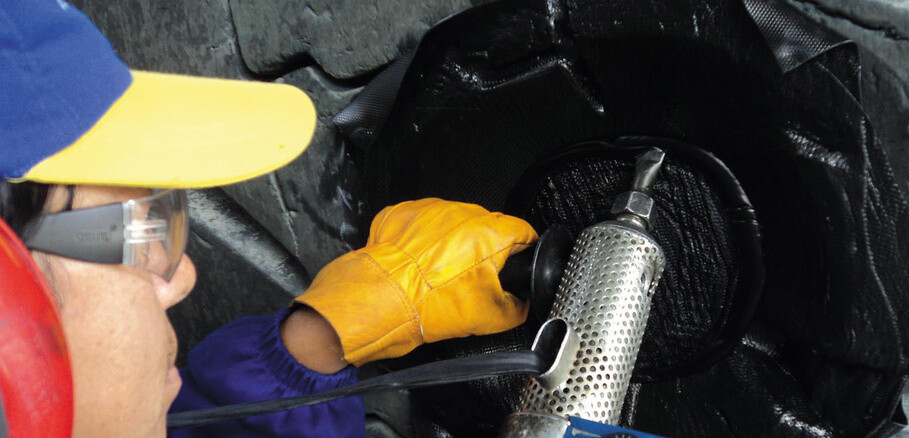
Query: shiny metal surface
{"x": 638, "y": 205}
{"x": 534, "y": 425}
{"x": 556, "y": 340}
{"x": 605, "y": 296}
{"x": 646, "y": 169}
{"x": 635, "y": 207}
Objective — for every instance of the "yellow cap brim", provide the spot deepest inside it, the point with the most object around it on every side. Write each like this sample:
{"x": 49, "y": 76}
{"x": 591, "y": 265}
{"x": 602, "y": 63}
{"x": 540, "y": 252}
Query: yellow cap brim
{"x": 173, "y": 131}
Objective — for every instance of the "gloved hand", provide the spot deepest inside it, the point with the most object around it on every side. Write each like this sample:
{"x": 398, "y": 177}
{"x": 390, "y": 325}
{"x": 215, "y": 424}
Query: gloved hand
{"x": 429, "y": 272}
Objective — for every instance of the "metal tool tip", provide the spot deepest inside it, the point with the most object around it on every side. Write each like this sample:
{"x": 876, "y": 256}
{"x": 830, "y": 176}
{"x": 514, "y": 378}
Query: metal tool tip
{"x": 646, "y": 169}
{"x": 652, "y": 156}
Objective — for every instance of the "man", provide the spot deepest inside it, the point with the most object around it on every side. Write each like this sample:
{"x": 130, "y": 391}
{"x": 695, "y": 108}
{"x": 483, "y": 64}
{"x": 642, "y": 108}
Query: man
{"x": 93, "y": 157}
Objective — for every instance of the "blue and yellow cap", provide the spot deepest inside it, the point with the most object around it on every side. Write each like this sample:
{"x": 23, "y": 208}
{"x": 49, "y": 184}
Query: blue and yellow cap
{"x": 72, "y": 113}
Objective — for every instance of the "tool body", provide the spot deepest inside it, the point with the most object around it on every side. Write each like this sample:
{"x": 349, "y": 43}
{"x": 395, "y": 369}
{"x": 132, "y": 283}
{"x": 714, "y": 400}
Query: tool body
{"x": 605, "y": 296}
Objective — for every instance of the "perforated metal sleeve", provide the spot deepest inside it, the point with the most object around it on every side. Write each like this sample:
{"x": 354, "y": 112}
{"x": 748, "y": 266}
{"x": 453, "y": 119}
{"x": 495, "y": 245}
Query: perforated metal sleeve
{"x": 605, "y": 296}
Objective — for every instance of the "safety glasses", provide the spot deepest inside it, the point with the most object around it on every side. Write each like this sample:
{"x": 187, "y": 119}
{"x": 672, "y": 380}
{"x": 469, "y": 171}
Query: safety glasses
{"x": 148, "y": 233}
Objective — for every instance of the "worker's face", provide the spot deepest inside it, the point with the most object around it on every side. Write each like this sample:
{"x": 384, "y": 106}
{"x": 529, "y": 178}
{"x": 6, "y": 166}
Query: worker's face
{"x": 121, "y": 344}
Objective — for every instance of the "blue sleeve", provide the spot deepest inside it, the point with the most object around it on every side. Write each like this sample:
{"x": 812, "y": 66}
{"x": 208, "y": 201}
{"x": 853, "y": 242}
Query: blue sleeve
{"x": 246, "y": 361}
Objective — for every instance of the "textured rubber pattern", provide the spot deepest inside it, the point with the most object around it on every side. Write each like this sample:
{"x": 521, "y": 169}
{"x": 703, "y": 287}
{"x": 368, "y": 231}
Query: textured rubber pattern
{"x": 506, "y": 85}
{"x": 793, "y": 38}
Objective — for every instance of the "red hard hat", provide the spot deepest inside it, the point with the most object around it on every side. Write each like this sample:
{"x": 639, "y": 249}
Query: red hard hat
{"x": 36, "y": 382}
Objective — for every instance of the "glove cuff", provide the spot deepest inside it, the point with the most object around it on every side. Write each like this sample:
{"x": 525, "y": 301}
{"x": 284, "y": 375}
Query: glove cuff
{"x": 371, "y": 313}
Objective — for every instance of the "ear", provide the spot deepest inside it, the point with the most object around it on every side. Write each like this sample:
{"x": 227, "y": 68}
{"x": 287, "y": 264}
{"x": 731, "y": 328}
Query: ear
{"x": 35, "y": 375}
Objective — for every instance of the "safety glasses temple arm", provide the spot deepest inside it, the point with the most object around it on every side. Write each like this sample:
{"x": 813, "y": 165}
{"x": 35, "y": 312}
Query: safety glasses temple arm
{"x": 94, "y": 234}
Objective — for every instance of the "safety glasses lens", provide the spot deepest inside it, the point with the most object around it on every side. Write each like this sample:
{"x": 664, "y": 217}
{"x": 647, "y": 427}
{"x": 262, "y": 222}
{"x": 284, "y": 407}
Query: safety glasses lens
{"x": 156, "y": 232}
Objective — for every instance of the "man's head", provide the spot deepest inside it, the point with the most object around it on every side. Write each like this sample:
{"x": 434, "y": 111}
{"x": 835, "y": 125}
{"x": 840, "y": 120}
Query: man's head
{"x": 86, "y": 146}
{"x": 121, "y": 344}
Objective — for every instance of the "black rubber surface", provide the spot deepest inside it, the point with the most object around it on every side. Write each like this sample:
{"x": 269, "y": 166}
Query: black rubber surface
{"x": 505, "y": 86}
{"x": 313, "y": 222}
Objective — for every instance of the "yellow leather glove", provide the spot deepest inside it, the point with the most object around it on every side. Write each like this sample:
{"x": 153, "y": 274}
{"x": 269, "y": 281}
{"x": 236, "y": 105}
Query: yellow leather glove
{"x": 428, "y": 272}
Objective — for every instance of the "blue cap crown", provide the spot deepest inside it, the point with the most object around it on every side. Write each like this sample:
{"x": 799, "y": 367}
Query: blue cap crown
{"x": 58, "y": 76}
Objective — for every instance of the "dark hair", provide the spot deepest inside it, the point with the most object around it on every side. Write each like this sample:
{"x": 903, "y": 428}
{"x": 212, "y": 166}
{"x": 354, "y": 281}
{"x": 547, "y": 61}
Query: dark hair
{"x": 21, "y": 202}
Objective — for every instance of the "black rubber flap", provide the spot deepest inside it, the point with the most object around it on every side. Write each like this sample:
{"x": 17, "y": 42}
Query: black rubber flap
{"x": 507, "y": 85}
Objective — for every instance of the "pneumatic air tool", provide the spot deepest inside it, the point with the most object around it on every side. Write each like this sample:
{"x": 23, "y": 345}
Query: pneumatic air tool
{"x": 604, "y": 296}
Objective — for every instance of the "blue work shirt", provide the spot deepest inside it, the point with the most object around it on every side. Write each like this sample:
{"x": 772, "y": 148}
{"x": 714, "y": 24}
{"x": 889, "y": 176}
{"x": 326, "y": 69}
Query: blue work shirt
{"x": 246, "y": 361}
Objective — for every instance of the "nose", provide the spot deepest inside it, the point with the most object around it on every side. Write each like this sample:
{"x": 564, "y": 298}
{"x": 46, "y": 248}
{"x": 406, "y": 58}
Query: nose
{"x": 172, "y": 292}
